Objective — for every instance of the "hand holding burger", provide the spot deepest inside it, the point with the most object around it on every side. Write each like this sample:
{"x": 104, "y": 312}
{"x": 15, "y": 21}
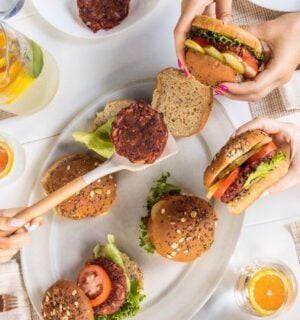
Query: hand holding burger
{"x": 281, "y": 35}
{"x": 189, "y": 10}
{"x": 287, "y": 135}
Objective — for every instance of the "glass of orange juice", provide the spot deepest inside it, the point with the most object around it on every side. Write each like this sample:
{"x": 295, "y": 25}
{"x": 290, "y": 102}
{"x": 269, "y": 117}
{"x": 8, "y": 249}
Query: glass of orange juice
{"x": 265, "y": 287}
{"x": 28, "y": 74}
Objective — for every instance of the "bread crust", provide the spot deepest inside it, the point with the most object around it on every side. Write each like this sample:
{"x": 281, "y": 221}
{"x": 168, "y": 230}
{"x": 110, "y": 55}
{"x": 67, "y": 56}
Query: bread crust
{"x": 64, "y": 300}
{"x": 94, "y": 200}
{"x": 228, "y": 30}
{"x": 243, "y": 200}
{"x": 182, "y": 227}
{"x": 209, "y": 70}
{"x": 177, "y": 98}
{"x": 232, "y": 150}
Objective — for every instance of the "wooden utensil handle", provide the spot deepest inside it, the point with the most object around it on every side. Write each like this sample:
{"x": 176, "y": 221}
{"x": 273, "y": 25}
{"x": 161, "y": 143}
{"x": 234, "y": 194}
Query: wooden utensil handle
{"x": 50, "y": 201}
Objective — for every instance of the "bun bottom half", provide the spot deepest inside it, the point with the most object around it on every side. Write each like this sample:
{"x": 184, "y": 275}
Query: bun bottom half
{"x": 209, "y": 70}
{"x": 242, "y": 201}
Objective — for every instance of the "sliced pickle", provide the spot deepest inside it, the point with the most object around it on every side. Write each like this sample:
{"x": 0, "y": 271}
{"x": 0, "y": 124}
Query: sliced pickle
{"x": 233, "y": 61}
{"x": 213, "y": 52}
{"x": 194, "y": 46}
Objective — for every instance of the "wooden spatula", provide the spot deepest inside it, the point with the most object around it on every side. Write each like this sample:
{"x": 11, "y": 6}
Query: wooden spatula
{"x": 116, "y": 163}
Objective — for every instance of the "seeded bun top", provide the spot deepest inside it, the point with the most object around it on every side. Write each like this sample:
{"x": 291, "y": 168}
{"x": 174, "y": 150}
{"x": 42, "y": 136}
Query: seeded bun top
{"x": 94, "y": 200}
{"x": 229, "y": 30}
{"x": 233, "y": 149}
{"x": 182, "y": 227}
{"x": 65, "y": 301}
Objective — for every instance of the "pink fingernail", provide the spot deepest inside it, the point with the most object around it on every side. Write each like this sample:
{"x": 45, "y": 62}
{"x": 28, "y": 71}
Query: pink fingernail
{"x": 186, "y": 72}
{"x": 16, "y": 222}
{"x": 223, "y": 87}
{"x": 220, "y": 93}
{"x": 179, "y": 63}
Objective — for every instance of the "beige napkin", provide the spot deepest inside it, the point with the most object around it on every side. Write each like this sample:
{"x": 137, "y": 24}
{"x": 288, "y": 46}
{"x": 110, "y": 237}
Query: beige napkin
{"x": 295, "y": 228}
{"x": 11, "y": 282}
{"x": 282, "y": 101}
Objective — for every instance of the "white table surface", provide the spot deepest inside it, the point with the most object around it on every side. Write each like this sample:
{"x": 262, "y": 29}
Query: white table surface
{"x": 91, "y": 68}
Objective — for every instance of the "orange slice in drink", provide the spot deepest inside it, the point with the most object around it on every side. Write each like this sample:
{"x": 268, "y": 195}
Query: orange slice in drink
{"x": 6, "y": 159}
{"x": 268, "y": 291}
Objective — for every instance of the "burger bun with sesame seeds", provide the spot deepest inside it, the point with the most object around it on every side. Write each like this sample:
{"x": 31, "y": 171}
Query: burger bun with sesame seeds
{"x": 66, "y": 301}
{"x": 94, "y": 200}
{"x": 181, "y": 227}
{"x": 245, "y": 168}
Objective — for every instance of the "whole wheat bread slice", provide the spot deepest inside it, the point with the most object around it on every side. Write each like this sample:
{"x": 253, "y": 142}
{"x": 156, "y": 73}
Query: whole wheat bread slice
{"x": 110, "y": 110}
{"x": 185, "y": 102}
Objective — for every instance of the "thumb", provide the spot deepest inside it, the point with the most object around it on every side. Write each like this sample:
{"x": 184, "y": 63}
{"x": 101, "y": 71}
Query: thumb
{"x": 289, "y": 180}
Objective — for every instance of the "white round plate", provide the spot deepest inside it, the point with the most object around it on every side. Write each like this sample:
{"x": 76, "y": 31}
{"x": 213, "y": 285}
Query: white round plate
{"x": 279, "y": 5}
{"x": 173, "y": 290}
{"x": 64, "y": 16}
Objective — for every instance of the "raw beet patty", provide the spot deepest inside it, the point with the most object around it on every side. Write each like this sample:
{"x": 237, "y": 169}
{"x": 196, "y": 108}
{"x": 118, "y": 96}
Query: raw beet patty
{"x": 102, "y": 14}
{"x": 139, "y": 133}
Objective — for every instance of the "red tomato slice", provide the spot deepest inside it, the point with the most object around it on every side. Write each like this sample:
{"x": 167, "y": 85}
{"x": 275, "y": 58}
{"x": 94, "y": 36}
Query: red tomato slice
{"x": 227, "y": 183}
{"x": 95, "y": 283}
{"x": 248, "y": 58}
{"x": 203, "y": 42}
{"x": 269, "y": 147}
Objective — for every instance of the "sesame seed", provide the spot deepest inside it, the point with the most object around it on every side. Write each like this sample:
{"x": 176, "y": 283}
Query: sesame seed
{"x": 110, "y": 177}
{"x": 174, "y": 245}
{"x": 172, "y": 222}
{"x": 182, "y": 219}
{"x": 178, "y": 249}
{"x": 185, "y": 213}
{"x": 92, "y": 193}
{"x": 76, "y": 303}
{"x": 68, "y": 167}
{"x": 47, "y": 299}
{"x": 96, "y": 164}
{"x": 181, "y": 240}
{"x": 108, "y": 192}
{"x": 193, "y": 214}
{"x": 178, "y": 231}
{"x": 98, "y": 191}
{"x": 169, "y": 257}
{"x": 186, "y": 251}
{"x": 163, "y": 211}
{"x": 188, "y": 238}
{"x": 99, "y": 180}
{"x": 173, "y": 254}
{"x": 68, "y": 313}
{"x": 74, "y": 292}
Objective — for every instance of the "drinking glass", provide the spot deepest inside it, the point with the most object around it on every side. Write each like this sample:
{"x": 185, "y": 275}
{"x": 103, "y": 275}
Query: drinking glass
{"x": 9, "y": 8}
{"x": 28, "y": 73}
{"x": 265, "y": 267}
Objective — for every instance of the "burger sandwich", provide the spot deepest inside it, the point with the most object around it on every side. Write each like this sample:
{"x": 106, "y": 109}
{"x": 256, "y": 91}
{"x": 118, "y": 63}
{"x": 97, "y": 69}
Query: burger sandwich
{"x": 109, "y": 287}
{"x": 178, "y": 226}
{"x": 217, "y": 52}
{"x": 244, "y": 168}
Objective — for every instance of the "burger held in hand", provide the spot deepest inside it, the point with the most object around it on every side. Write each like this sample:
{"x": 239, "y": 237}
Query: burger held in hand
{"x": 219, "y": 52}
{"x": 244, "y": 168}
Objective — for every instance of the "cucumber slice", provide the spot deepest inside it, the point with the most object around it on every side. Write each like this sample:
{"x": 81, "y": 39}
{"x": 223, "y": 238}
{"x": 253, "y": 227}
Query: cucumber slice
{"x": 194, "y": 46}
{"x": 37, "y": 59}
{"x": 213, "y": 52}
{"x": 233, "y": 61}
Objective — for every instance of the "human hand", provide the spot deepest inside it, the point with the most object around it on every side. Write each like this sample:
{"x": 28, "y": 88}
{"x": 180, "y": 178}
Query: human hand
{"x": 287, "y": 137}
{"x": 9, "y": 246}
{"x": 220, "y": 9}
{"x": 281, "y": 35}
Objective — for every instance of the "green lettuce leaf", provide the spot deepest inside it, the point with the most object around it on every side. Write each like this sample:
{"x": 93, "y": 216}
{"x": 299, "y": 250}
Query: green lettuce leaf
{"x": 217, "y": 37}
{"x": 98, "y": 140}
{"x": 130, "y": 308}
{"x": 264, "y": 169}
{"x": 145, "y": 242}
{"x": 161, "y": 188}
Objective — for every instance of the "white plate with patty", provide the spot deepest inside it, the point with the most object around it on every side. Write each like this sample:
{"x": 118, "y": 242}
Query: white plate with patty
{"x": 279, "y": 5}
{"x": 173, "y": 290}
{"x": 64, "y": 16}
